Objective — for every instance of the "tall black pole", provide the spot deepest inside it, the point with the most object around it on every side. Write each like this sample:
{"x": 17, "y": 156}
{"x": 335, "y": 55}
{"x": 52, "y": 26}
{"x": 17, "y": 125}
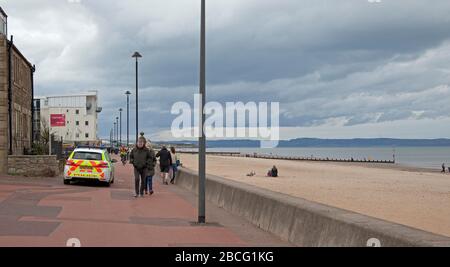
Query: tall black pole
{"x": 137, "y": 99}
{"x": 137, "y": 56}
{"x": 128, "y": 93}
{"x": 117, "y": 130}
{"x": 33, "y": 110}
{"x": 114, "y": 133}
{"x": 120, "y": 126}
{"x": 10, "y": 95}
{"x": 202, "y": 139}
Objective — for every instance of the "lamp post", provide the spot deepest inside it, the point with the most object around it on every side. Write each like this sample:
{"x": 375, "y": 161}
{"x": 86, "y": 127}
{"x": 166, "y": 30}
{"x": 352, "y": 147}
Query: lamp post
{"x": 136, "y": 55}
{"x": 202, "y": 138}
{"x": 128, "y": 93}
{"x": 120, "y": 125}
{"x": 114, "y": 133}
{"x": 117, "y": 132}
{"x": 111, "y": 133}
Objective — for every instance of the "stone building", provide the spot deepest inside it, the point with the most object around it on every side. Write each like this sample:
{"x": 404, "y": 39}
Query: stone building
{"x": 16, "y": 98}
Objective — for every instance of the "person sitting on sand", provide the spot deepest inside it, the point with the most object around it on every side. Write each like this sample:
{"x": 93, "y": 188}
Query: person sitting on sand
{"x": 273, "y": 172}
{"x": 251, "y": 174}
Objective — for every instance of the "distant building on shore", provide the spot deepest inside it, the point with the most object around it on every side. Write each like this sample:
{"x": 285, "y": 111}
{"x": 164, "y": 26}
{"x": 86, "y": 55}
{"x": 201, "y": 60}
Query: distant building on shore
{"x": 74, "y": 117}
{"x": 16, "y": 98}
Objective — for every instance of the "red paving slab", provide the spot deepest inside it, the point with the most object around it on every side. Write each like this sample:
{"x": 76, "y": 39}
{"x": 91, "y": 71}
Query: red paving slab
{"x": 48, "y": 213}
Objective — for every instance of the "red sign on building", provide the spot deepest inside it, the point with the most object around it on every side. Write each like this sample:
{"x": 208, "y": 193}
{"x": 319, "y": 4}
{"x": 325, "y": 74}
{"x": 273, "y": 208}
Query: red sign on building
{"x": 57, "y": 120}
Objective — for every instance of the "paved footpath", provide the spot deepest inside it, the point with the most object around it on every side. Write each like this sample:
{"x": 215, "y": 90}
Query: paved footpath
{"x": 44, "y": 212}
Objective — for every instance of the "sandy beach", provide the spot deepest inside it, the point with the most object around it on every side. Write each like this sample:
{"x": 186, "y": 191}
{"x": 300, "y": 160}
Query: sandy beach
{"x": 417, "y": 198}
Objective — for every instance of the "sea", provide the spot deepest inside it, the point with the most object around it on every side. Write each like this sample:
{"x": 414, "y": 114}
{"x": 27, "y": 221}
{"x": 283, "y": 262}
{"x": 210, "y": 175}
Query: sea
{"x": 419, "y": 157}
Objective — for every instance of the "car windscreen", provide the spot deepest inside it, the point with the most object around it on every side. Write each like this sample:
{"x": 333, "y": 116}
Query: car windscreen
{"x": 87, "y": 156}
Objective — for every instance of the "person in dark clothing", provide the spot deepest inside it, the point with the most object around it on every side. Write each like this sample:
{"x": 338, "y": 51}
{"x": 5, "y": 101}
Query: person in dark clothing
{"x": 141, "y": 159}
{"x": 274, "y": 172}
{"x": 443, "y": 167}
{"x": 150, "y": 172}
{"x": 175, "y": 164}
{"x": 165, "y": 163}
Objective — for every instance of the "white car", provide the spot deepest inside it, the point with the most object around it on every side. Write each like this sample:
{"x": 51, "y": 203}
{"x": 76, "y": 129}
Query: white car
{"x": 89, "y": 164}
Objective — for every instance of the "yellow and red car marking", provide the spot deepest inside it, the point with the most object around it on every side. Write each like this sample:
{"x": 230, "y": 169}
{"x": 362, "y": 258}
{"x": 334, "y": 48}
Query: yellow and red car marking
{"x": 95, "y": 171}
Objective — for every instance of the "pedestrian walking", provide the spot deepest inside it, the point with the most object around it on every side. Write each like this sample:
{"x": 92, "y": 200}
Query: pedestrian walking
{"x": 443, "y": 168}
{"x": 165, "y": 161}
{"x": 175, "y": 164}
{"x": 150, "y": 171}
{"x": 141, "y": 159}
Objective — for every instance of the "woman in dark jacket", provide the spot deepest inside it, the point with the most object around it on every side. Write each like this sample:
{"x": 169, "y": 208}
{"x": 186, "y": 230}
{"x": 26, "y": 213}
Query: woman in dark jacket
{"x": 165, "y": 161}
{"x": 151, "y": 171}
{"x": 142, "y": 161}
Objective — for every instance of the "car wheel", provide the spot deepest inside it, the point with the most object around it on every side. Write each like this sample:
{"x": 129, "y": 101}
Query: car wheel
{"x": 66, "y": 182}
{"x": 107, "y": 184}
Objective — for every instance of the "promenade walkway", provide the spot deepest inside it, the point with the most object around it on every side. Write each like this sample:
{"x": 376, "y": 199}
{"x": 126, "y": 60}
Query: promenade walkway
{"x": 44, "y": 212}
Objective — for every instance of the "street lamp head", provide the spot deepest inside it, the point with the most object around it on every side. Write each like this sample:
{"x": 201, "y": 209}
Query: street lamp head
{"x": 128, "y": 93}
{"x": 137, "y": 55}
{"x": 120, "y": 109}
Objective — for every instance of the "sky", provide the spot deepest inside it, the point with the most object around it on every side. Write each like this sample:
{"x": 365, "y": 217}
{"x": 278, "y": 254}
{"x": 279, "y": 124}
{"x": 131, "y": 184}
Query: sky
{"x": 338, "y": 68}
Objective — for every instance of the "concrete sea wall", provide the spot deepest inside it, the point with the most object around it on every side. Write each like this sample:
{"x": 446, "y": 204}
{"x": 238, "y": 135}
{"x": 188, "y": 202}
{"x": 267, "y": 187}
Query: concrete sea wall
{"x": 305, "y": 223}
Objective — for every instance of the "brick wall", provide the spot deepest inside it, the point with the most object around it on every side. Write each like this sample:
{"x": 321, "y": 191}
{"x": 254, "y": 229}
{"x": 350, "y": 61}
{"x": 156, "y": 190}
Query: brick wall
{"x": 3, "y": 104}
{"x": 34, "y": 166}
{"x": 21, "y": 108}
{"x": 21, "y": 104}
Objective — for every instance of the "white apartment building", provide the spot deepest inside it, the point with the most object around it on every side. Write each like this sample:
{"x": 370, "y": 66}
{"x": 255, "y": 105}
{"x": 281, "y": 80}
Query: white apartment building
{"x": 73, "y": 117}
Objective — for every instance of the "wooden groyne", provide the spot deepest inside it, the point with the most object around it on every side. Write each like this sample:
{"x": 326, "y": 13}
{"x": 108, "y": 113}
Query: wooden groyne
{"x": 275, "y": 157}
{"x": 351, "y": 160}
{"x": 225, "y": 154}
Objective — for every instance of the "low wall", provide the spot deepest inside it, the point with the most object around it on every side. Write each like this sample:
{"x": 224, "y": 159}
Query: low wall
{"x": 305, "y": 223}
{"x": 33, "y": 166}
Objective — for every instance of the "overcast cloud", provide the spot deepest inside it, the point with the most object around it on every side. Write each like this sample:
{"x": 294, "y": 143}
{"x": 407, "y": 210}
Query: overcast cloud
{"x": 339, "y": 68}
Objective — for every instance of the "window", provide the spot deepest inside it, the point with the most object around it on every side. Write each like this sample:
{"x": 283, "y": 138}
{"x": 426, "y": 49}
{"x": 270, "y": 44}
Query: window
{"x": 86, "y": 135}
{"x": 77, "y": 123}
{"x": 17, "y": 124}
{"x": 77, "y": 135}
{"x": 86, "y": 123}
{"x": 87, "y": 156}
{"x": 107, "y": 157}
{"x": 24, "y": 132}
{"x": 77, "y": 111}
{"x": 3, "y": 25}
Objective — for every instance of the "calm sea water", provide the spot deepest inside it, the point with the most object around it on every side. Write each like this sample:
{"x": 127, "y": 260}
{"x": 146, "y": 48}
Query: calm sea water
{"x": 422, "y": 157}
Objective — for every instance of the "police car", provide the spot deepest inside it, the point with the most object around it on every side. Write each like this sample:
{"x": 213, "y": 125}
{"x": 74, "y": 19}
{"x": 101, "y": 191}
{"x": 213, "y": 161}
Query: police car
{"x": 89, "y": 164}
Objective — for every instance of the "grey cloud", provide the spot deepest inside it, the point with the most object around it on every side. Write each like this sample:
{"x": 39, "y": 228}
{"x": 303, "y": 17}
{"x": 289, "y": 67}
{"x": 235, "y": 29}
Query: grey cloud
{"x": 322, "y": 60}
